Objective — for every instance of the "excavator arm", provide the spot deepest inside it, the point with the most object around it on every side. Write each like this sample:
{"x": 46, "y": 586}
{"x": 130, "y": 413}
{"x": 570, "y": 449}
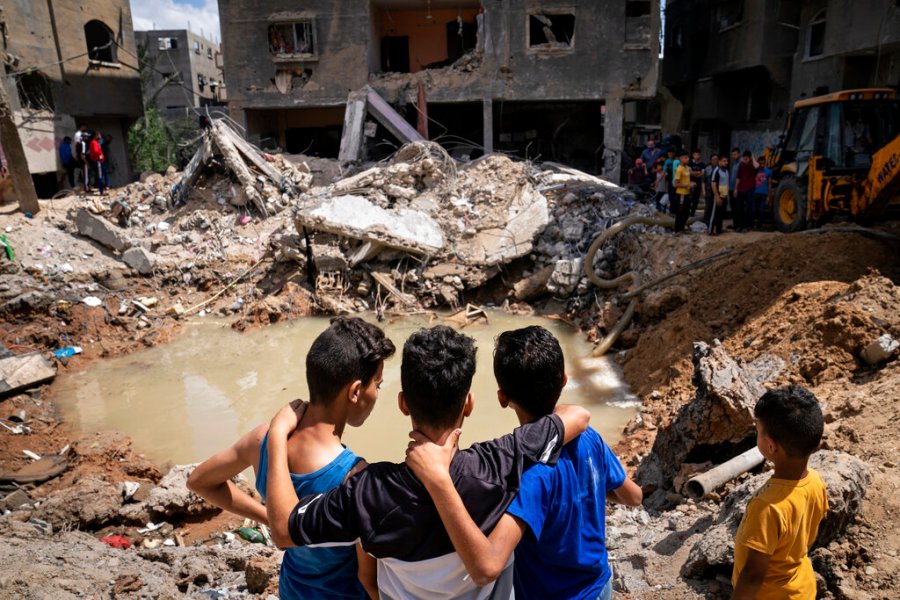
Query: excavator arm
{"x": 882, "y": 185}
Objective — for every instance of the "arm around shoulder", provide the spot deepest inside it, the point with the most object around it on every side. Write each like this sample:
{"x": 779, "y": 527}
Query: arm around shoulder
{"x": 575, "y": 420}
{"x": 211, "y": 479}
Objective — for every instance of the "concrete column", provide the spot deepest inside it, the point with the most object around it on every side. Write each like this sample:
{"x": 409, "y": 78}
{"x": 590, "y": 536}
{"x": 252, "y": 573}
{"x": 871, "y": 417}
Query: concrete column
{"x": 613, "y": 141}
{"x": 487, "y": 109}
{"x": 16, "y": 160}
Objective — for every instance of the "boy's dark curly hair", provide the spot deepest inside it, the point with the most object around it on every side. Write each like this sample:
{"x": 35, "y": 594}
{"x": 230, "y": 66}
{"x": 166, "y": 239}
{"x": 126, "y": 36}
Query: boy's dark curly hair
{"x": 436, "y": 375}
{"x": 793, "y": 418}
{"x": 349, "y": 350}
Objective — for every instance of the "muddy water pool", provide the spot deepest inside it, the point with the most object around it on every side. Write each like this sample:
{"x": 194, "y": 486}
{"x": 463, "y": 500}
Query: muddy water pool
{"x": 185, "y": 400}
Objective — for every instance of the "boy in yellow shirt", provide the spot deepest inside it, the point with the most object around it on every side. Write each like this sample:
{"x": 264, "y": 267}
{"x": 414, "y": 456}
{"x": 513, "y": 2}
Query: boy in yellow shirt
{"x": 683, "y": 184}
{"x": 773, "y": 541}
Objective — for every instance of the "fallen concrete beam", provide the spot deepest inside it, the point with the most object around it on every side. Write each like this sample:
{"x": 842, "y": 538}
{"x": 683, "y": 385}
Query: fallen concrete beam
{"x": 233, "y": 161}
{"x": 24, "y": 371}
{"x": 357, "y": 218}
{"x": 391, "y": 119}
{"x": 385, "y": 282}
{"x": 191, "y": 172}
{"x": 354, "y": 124}
{"x": 253, "y": 155}
{"x": 100, "y": 230}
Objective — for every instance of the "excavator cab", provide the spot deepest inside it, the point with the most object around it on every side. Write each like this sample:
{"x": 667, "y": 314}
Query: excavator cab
{"x": 829, "y": 157}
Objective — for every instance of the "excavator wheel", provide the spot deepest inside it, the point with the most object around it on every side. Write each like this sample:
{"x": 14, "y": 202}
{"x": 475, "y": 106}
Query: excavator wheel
{"x": 789, "y": 206}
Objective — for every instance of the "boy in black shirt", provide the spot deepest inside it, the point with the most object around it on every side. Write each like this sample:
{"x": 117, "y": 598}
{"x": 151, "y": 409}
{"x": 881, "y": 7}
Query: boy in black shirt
{"x": 388, "y": 510}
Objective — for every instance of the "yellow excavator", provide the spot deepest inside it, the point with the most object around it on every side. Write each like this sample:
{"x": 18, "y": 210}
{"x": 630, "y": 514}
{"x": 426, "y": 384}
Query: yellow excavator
{"x": 840, "y": 154}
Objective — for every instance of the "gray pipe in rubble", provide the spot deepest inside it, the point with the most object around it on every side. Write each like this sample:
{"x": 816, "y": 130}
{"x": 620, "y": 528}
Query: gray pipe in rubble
{"x": 703, "y": 484}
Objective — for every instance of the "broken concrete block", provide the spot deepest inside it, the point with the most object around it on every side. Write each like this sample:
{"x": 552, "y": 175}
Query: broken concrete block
{"x": 846, "y": 480}
{"x": 24, "y": 371}
{"x": 720, "y": 413}
{"x": 357, "y": 218}
{"x": 526, "y": 217}
{"x": 15, "y": 500}
{"x": 532, "y": 286}
{"x": 880, "y": 350}
{"x": 329, "y": 258}
{"x": 565, "y": 277}
{"x": 140, "y": 259}
{"x": 100, "y": 230}
{"x": 89, "y": 502}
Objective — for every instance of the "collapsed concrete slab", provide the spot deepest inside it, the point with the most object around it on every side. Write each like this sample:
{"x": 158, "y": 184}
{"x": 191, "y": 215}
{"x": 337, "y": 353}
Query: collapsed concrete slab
{"x": 355, "y": 217}
{"x": 100, "y": 230}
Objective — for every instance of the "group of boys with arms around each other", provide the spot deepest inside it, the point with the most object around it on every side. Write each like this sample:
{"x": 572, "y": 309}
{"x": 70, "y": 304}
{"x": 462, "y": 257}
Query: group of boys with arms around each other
{"x": 739, "y": 184}
{"x": 520, "y": 516}
{"x": 86, "y": 154}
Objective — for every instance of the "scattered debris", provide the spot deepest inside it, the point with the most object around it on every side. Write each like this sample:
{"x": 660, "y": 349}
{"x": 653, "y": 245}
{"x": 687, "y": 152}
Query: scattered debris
{"x": 880, "y": 350}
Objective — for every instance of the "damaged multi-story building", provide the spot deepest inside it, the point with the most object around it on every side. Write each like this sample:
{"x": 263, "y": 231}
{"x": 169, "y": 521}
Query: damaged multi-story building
{"x": 186, "y": 70}
{"x": 70, "y": 62}
{"x": 736, "y": 66}
{"x": 547, "y": 79}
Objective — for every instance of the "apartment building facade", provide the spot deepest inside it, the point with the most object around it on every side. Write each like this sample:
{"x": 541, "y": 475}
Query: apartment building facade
{"x": 546, "y": 79}
{"x": 71, "y": 62}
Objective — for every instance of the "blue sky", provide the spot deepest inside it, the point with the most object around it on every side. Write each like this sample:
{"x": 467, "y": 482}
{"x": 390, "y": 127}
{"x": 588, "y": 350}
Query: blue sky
{"x": 203, "y": 16}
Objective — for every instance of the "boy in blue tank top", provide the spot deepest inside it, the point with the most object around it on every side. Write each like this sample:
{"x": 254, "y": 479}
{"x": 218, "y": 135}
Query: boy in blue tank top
{"x": 557, "y": 522}
{"x": 343, "y": 373}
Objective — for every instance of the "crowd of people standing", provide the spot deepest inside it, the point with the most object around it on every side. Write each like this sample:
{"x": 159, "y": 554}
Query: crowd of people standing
{"x": 85, "y": 159}
{"x": 737, "y": 184}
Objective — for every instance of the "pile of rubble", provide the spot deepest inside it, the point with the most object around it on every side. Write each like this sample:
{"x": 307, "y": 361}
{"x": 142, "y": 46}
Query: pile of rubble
{"x": 241, "y": 232}
{"x": 428, "y": 230}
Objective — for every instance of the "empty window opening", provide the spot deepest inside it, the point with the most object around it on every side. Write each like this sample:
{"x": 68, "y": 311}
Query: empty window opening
{"x": 292, "y": 39}
{"x": 729, "y": 13}
{"x": 815, "y": 43}
{"x": 196, "y": 47}
{"x": 34, "y": 91}
{"x": 167, "y": 43}
{"x": 100, "y": 43}
{"x": 201, "y": 81}
{"x": 547, "y": 31}
{"x": 637, "y": 8}
{"x": 638, "y": 24}
{"x": 209, "y": 53}
{"x": 759, "y": 103}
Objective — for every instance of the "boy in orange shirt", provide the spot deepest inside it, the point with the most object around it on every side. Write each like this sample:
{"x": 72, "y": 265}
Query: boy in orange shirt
{"x": 771, "y": 549}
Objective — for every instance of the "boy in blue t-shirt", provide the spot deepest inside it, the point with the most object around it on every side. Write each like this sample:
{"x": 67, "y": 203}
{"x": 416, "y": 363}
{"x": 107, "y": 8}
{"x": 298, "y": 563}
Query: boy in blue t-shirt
{"x": 559, "y": 514}
{"x": 344, "y": 372}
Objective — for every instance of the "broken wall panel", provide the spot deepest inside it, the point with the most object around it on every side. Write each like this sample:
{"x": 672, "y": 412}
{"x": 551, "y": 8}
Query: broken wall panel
{"x": 336, "y": 60}
{"x": 413, "y": 40}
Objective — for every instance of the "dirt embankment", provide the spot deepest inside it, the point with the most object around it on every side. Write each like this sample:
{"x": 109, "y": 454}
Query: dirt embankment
{"x": 809, "y": 304}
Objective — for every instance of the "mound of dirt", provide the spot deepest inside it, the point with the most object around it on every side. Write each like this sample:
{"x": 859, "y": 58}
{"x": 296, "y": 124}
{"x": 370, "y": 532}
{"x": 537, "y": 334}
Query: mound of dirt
{"x": 812, "y": 303}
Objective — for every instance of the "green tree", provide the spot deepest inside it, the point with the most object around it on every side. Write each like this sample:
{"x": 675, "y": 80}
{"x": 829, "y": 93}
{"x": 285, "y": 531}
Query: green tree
{"x": 153, "y": 141}
{"x": 149, "y": 143}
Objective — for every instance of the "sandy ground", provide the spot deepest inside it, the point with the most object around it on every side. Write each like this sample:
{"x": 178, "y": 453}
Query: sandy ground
{"x": 812, "y": 299}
